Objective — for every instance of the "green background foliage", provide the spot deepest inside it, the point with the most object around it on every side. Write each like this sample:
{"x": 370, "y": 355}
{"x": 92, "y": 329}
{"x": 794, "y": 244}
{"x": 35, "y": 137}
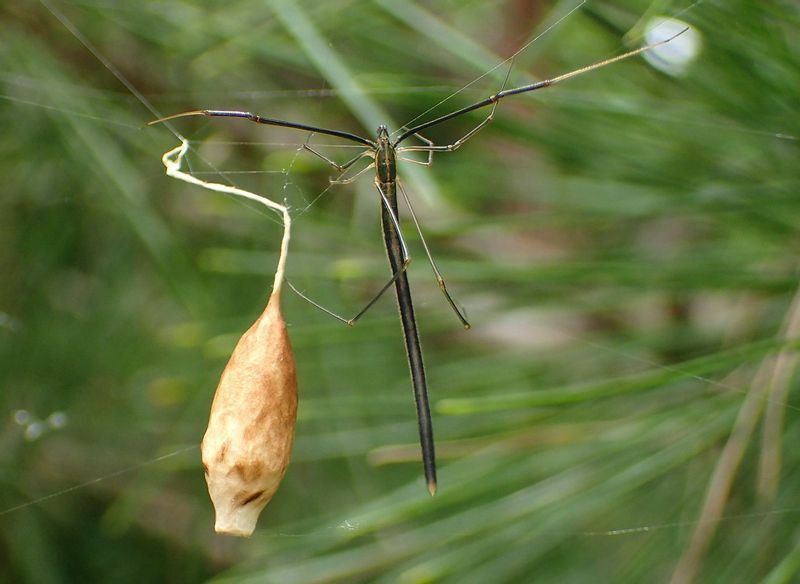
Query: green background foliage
{"x": 625, "y": 245}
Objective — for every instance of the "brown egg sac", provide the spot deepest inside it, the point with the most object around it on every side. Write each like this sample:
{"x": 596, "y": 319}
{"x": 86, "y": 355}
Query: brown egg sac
{"x": 248, "y": 442}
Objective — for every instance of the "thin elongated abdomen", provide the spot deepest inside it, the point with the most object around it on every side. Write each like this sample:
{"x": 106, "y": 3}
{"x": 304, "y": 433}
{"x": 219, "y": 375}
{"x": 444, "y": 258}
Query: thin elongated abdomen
{"x": 394, "y": 250}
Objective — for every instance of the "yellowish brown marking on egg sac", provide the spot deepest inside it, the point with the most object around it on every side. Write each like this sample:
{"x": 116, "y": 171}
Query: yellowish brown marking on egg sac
{"x": 248, "y": 442}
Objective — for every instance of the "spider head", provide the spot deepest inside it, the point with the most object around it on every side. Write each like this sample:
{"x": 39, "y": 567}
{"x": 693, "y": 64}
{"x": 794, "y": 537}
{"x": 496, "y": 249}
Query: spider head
{"x": 383, "y": 132}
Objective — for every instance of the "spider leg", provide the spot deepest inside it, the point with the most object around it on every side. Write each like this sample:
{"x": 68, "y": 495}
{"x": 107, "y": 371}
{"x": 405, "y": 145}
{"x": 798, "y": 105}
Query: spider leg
{"x": 439, "y": 278}
{"x": 340, "y": 167}
{"x": 430, "y": 152}
{"x": 430, "y": 148}
{"x": 347, "y": 181}
{"x": 406, "y": 260}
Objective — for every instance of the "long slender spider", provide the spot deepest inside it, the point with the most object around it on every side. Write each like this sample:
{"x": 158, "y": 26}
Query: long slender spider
{"x": 384, "y": 153}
